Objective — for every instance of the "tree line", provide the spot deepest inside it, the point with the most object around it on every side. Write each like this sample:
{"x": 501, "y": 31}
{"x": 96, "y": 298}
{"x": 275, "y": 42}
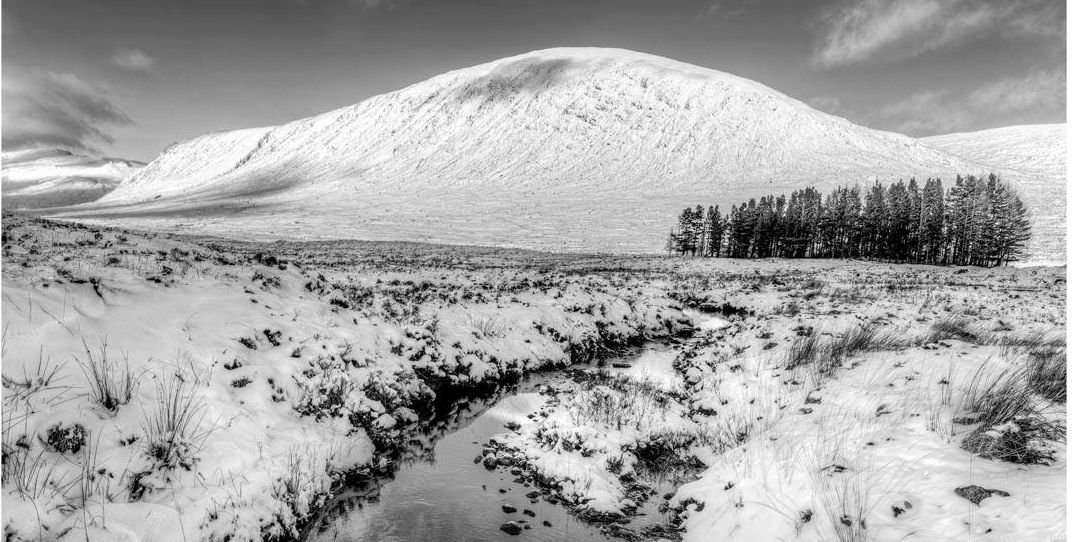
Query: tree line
{"x": 979, "y": 221}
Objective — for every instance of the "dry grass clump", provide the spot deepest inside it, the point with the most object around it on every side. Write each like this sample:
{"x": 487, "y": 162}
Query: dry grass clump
{"x": 1046, "y": 373}
{"x": 175, "y": 432}
{"x": 111, "y": 382}
{"x": 824, "y": 356}
{"x": 486, "y": 326}
{"x": 619, "y": 402}
{"x": 1010, "y": 413}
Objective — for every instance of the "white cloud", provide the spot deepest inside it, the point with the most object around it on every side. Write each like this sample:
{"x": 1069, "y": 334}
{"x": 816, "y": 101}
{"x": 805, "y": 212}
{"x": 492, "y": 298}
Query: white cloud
{"x": 866, "y": 30}
{"x": 828, "y": 104}
{"x": 133, "y": 60}
{"x": 945, "y": 111}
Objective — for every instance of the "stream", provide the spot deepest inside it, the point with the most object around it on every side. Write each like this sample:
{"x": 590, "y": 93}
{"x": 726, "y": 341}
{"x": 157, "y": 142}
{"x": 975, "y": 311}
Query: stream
{"x": 438, "y": 493}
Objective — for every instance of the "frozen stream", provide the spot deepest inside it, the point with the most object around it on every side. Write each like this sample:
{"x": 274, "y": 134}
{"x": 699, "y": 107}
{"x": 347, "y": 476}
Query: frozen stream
{"x": 439, "y": 494}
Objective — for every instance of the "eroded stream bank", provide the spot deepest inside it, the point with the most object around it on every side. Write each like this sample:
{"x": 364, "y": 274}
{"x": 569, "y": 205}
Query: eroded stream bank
{"x": 461, "y": 480}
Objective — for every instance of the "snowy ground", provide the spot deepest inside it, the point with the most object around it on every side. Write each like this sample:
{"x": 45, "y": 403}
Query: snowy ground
{"x": 284, "y": 366}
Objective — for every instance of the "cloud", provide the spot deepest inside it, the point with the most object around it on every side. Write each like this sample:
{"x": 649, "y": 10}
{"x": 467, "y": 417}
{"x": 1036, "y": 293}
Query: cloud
{"x": 730, "y": 9}
{"x": 946, "y": 111}
{"x": 43, "y": 108}
{"x": 828, "y": 104}
{"x": 867, "y": 30}
{"x": 133, "y": 60}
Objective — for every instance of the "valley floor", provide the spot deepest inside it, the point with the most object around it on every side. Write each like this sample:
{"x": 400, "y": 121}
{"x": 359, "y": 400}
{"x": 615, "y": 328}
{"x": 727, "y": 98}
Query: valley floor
{"x": 159, "y": 387}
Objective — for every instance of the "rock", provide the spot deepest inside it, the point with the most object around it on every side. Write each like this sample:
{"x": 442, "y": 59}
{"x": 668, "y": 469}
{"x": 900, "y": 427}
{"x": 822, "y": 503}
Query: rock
{"x": 490, "y": 462}
{"x": 511, "y": 528}
{"x": 533, "y": 494}
{"x": 547, "y": 523}
{"x": 976, "y": 493}
{"x": 509, "y": 509}
{"x": 620, "y": 365}
{"x": 513, "y": 426}
{"x": 529, "y": 513}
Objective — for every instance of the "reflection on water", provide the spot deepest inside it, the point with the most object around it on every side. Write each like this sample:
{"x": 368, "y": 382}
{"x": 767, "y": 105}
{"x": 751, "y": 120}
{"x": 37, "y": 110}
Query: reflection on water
{"x": 450, "y": 498}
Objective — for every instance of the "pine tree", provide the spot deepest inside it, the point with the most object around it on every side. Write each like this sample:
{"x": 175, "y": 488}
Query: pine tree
{"x": 715, "y": 232}
{"x": 932, "y": 220}
{"x": 875, "y": 223}
{"x": 913, "y": 231}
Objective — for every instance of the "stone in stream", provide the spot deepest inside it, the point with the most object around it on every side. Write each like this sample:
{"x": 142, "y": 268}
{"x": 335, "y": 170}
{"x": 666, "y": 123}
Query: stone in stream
{"x": 509, "y": 509}
{"x": 547, "y": 523}
{"x": 529, "y": 513}
{"x": 511, "y": 528}
{"x": 501, "y": 490}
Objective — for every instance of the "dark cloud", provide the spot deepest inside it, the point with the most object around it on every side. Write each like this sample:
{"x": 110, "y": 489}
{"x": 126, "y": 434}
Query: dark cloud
{"x": 43, "y": 108}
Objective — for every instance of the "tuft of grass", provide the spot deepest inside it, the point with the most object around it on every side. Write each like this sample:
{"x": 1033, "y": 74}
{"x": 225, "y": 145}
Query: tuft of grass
{"x": 804, "y": 351}
{"x": 1046, "y": 373}
{"x": 33, "y": 476}
{"x": 824, "y": 356}
{"x": 1010, "y": 416}
{"x": 175, "y": 432}
{"x": 951, "y": 328}
{"x": 486, "y": 326}
{"x": 111, "y": 382}
{"x": 41, "y": 376}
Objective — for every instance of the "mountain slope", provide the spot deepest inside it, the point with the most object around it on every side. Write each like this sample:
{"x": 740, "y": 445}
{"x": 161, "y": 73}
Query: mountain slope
{"x": 38, "y": 178}
{"x": 1035, "y": 149}
{"x": 562, "y": 149}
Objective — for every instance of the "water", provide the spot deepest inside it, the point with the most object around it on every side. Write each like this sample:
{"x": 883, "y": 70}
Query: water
{"x": 449, "y": 498}
{"x": 440, "y": 494}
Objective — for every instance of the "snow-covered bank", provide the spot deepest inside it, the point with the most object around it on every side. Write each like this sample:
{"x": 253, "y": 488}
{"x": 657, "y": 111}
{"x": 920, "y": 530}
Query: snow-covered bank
{"x": 860, "y": 402}
{"x": 162, "y": 389}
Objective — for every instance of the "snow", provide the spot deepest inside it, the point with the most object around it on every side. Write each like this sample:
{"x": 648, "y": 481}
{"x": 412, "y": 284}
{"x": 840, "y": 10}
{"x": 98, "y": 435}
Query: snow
{"x": 562, "y": 149}
{"x": 52, "y": 177}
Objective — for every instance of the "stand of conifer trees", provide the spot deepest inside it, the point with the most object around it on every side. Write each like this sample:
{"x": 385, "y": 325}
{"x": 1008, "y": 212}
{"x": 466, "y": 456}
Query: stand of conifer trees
{"x": 979, "y": 221}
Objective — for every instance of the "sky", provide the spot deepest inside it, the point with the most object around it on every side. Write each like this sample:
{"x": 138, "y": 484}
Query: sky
{"x": 126, "y": 78}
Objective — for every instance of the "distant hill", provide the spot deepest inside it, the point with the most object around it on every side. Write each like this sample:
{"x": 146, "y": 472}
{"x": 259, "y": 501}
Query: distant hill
{"x": 37, "y": 178}
{"x": 561, "y": 149}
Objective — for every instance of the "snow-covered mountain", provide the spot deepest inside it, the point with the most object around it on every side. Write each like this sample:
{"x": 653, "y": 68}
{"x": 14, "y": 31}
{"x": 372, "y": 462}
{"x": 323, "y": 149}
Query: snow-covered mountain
{"x": 36, "y": 178}
{"x": 1036, "y": 149}
{"x": 562, "y": 149}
